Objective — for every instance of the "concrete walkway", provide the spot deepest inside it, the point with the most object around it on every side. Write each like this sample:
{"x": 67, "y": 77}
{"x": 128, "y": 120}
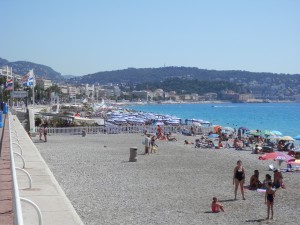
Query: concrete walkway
{"x": 45, "y": 192}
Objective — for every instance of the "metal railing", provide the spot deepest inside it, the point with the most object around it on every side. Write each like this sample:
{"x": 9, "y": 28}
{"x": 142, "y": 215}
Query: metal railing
{"x": 126, "y": 129}
{"x": 17, "y": 208}
{"x": 18, "y": 216}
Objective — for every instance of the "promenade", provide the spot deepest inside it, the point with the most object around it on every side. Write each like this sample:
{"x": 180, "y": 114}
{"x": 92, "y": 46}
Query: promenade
{"x": 45, "y": 192}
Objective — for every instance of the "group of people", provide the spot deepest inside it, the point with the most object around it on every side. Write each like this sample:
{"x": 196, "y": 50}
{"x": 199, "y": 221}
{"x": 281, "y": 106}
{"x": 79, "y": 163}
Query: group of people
{"x": 150, "y": 145}
{"x": 277, "y": 182}
{"x": 270, "y": 187}
{"x": 267, "y": 184}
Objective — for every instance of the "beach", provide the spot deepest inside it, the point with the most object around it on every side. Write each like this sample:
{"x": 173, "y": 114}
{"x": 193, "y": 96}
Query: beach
{"x": 173, "y": 186}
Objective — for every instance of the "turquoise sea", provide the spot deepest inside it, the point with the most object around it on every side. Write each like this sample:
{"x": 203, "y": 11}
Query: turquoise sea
{"x": 284, "y": 117}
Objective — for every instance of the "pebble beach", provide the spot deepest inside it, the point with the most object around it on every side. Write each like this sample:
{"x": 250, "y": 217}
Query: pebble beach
{"x": 173, "y": 186}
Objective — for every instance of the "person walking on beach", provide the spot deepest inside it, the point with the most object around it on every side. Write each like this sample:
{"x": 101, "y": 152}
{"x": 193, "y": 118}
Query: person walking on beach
{"x": 159, "y": 132}
{"x": 153, "y": 144}
{"x": 41, "y": 131}
{"x": 269, "y": 200}
{"x": 147, "y": 144}
{"x": 239, "y": 178}
{"x": 45, "y": 130}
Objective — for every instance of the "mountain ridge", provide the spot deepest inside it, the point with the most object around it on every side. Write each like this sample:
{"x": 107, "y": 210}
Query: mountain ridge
{"x": 41, "y": 71}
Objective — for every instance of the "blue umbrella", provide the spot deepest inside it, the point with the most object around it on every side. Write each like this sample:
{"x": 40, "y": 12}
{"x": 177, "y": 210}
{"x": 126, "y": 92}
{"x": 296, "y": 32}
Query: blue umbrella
{"x": 276, "y": 132}
{"x": 212, "y": 136}
{"x": 297, "y": 137}
{"x": 243, "y": 128}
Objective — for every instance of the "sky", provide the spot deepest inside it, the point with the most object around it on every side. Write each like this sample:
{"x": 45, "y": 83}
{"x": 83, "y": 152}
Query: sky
{"x": 76, "y": 37}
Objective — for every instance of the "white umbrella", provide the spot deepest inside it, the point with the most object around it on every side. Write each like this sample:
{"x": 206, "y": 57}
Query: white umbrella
{"x": 197, "y": 124}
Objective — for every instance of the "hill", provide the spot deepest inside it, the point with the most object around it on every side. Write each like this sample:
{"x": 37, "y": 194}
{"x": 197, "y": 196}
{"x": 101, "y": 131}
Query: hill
{"x": 136, "y": 76}
{"x": 22, "y": 67}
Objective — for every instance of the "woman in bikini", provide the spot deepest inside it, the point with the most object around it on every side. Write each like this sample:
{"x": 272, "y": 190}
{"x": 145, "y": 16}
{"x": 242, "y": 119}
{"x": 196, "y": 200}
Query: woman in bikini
{"x": 269, "y": 199}
{"x": 239, "y": 178}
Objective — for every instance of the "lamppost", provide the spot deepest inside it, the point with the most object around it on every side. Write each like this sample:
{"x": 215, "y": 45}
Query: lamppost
{"x": 2, "y": 89}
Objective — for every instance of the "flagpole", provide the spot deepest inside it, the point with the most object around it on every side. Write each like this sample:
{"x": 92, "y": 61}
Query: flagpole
{"x": 33, "y": 83}
{"x": 13, "y": 88}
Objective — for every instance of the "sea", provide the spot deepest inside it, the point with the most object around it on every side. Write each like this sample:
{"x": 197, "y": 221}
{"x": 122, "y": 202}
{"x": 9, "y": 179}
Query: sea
{"x": 283, "y": 117}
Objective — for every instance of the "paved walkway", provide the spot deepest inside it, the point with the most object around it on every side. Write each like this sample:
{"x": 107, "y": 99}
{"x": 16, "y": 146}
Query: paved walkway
{"x": 6, "y": 208}
{"x": 45, "y": 192}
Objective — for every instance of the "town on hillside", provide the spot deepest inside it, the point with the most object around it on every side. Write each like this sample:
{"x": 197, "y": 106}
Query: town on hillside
{"x": 123, "y": 93}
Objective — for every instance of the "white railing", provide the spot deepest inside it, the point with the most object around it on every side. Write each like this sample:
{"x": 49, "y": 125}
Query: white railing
{"x": 17, "y": 208}
{"x": 122, "y": 129}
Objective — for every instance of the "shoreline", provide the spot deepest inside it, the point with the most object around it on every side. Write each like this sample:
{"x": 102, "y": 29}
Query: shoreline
{"x": 198, "y": 102}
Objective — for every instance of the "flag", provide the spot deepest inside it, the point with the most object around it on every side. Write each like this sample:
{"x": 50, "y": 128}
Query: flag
{"x": 28, "y": 80}
{"x": 9, "y": 85}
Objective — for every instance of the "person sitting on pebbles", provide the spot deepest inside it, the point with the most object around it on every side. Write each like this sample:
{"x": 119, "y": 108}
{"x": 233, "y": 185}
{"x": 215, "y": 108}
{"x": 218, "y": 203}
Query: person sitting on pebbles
{"x": 186, "y": 142}
{"x": 170, "y": 138}
{"x": 254, "y": 181}
{"x": 216, "y": 206}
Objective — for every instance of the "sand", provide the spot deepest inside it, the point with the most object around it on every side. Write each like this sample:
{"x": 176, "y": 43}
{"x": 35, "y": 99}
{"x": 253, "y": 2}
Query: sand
{"x": 173, "y": 186}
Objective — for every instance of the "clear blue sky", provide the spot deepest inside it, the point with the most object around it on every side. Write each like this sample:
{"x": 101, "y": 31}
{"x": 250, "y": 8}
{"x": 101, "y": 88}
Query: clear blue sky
{"x": 79, "y": 37}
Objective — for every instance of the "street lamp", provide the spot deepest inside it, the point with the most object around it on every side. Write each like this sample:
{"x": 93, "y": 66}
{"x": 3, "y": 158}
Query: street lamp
{"x": 2, "y": 89}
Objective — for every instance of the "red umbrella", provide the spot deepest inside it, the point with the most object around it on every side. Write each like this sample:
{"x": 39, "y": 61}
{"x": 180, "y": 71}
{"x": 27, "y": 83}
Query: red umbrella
{"x": 296, "y": 162}
{"x": 277, "y": 156}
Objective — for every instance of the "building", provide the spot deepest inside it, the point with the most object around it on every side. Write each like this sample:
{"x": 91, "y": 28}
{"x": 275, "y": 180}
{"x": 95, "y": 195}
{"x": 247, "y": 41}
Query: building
{"x": 45, "y": 84}
{"x": 72, "y": 91}
{"x": 6, "y": 72}
{"x": 143, "y": 95}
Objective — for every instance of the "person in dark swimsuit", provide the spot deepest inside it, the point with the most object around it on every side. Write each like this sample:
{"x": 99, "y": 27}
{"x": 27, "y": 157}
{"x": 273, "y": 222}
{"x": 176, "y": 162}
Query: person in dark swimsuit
{"x": 269, "y": 199}
{"x": 239, "y": 178}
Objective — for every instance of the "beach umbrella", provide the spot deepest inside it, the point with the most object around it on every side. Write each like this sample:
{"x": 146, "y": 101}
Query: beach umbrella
{"x": 243, "y": 128}
{"x": 159, "y": 123}
{"x": 297, "y": 137}
{"x": 213, "y": 136}
{"x": 296, "y": 162}
{"x": 254, "y": 133}
{"x": 274, "y": 137}
{"x": 216, "y": 128}
{"x": 228, "y": 128}
{"x": 287, "y": 138}
{"x": 266, "y": 133}
{"x": 277, "y": 156}
{"x": 197, "y": 124}
{"x": 276, "y": 132}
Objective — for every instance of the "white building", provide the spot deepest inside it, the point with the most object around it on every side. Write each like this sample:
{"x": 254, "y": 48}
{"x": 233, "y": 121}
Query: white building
{"x": 7, "y": 72}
